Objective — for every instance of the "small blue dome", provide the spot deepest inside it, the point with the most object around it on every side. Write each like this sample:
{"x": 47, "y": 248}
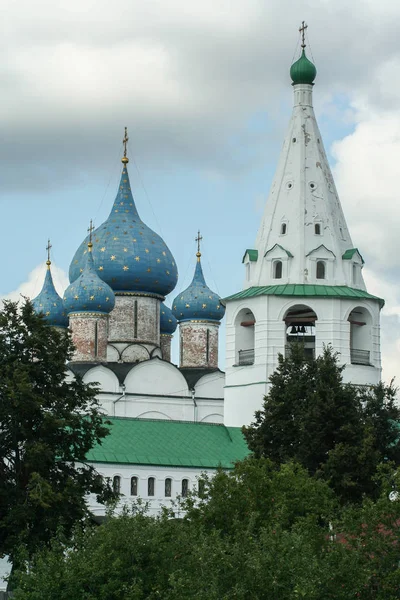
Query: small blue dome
{"x": 198, "y": 302}
{"x": 168, "y": 323}
{"x": 127, "y": 254}
{"x": 49, "y": 303}
{"x": 89, "y": 293}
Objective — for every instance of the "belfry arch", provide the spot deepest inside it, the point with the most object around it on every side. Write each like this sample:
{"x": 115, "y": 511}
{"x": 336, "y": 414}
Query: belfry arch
{"x": 360, "y": 336}
{"x": 244, "y": 337}
{"x": 300, "y": 321}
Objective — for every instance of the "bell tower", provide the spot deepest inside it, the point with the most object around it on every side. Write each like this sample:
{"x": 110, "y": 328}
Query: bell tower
{"x": 303, "y": 277}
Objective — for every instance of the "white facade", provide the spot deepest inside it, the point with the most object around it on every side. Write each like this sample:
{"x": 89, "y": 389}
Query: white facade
{"x": 304, "y": 240}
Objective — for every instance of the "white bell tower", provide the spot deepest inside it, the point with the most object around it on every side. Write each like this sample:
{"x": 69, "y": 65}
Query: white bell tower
{"x": 303, "y": 278}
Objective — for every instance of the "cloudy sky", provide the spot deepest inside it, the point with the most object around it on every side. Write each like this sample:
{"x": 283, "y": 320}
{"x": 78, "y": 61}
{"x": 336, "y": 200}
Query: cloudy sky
{"x": 204, "y": 89}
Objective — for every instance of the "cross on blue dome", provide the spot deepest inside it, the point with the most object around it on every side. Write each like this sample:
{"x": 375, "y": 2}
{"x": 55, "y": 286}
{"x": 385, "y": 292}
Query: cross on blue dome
{"x": 89, "y": 293}
{"x": 198, "y": 302}
{"x": 127, "y": 254}
{"x": 49, "y": 303}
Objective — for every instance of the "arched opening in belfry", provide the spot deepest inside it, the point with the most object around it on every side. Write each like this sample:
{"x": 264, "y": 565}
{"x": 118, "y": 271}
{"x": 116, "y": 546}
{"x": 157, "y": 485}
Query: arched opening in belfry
{"x": 244, "y": 337}
{"x": 300, "y": 323}
{"x": 360, "y": 336}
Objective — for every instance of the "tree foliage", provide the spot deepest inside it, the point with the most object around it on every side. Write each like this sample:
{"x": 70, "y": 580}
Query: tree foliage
{"x": 47, "y": 425}
{"x": 337, "y": 431}
{"x": 258, "y": 532}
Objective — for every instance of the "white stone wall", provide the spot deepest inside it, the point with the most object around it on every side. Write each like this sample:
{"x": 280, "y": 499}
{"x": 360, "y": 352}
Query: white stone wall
{"x": 246, "y": 385}
{"x": 143, "y": 472}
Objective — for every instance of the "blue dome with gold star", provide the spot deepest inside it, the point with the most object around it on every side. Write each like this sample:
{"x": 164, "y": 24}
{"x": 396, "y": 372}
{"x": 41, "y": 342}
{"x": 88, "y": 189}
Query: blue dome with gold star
{"x": 198, "y": 302}
{"x": 49, "y": 303}
{"x": 127, "y": 254}
{"x": 89, "y": 293}
{"x": 168, "y": 323}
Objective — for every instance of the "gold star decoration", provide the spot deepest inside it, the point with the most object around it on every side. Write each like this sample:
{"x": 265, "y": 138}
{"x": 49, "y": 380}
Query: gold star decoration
{"x": 103, "y": 249}
{"x": 204, "y": 306}
{"x": 116, "y": 210}
{"x": 99, "y": 288}
{"x": 125, "y": 181}
{"x": 140, "y": 232}
{"x": 167, "y": 272}
{"x": 158, "y": 260}
{"x": 115, "y": 239}
{"x": 125, "y": 268}
{"x": 101, "y": 268}
{"x": 134, "y": 240}
{"x": 164, "y": 254}
{"x": 81, "y": 270}
{"x": 76, "y": 297}
{"x": 146, "y": 250}
{"x": 107, "y": 299}
{"x": 92, "y": 297}
{"x": 149, "y": 270}
{"x": 175, "y": 307}
{"x": 112, "y": 257}
{"x": 137, "y": 258}
{"x": 121, "y": 203}
{"x": 125, "y": 249}
{"x": 187, "y": 305}
{"x": 47, "y": 313}
{"x": 210, "y": 297}
{"x": 217, "y": 306}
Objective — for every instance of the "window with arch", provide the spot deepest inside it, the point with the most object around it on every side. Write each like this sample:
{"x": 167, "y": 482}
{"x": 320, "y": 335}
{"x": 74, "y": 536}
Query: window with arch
{"x": 244, "y": 337}
{"x": 185, "y": 487}
{"x": 360, "y": 336}
{"x": 283, "y": 228}
{"x": 320, "y": 269}
{"x": 355, "y": 274}
{"x": 317, "y": 228}
{"x": 168, "y": 487}
{"x": 151, "y": 484}
{"x": 278, "y": 269}
{"x": 117, "y": 484}
{"x": 134, "y": 486}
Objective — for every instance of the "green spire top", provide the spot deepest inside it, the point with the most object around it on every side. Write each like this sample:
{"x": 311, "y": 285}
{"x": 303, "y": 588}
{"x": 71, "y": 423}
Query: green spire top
{"x": 303, "y": 70}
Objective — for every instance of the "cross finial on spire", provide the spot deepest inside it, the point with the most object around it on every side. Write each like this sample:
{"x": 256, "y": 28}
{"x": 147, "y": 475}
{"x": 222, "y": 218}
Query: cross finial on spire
{"x": 302, "y": 30}
{"x": 198, "y": 240}
{"x": 48, "y": 248}
{"x": 90, "y": 229}
{"x": 125, "y": 141}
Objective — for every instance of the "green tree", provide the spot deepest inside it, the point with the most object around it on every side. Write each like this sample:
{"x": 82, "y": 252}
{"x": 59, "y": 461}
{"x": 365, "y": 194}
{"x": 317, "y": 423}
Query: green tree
{"x": 47, "y": 425}
{"x": 259, "y": 531}
{"x": 335, "y": 430}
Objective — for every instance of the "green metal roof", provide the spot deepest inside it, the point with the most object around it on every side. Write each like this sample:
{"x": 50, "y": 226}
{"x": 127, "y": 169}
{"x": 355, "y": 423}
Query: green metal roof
{"x": 290, "y": 255}
{"x": 170, "y": 443}
{"x": 305, "y": 290}
{"x": 253, "y": 254}
{"x": 348, "y": 255}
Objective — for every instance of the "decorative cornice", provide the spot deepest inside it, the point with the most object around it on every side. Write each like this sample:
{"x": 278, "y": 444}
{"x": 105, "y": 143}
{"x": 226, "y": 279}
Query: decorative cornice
{"x": 145, "y": 294}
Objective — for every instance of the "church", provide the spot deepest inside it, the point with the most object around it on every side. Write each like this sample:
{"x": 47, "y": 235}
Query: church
{"x": 302, "y": 282}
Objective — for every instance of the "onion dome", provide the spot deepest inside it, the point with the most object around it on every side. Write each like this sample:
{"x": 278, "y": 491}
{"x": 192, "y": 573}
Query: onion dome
{"x": 88, "y": 293}
{"x": 128, "y": 255}
{"x": 303, "y": 70}
{"x": 198, "y": 302}
{"x": 168, "y": 323}
{"x": 48, "y": 302}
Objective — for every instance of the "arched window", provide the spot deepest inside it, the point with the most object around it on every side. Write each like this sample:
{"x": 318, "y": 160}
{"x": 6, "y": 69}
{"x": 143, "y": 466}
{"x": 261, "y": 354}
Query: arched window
{"x": 168, "y": 487}
{"x": 244, "y": 337}
{"x": 185, "y": 487}
{"x": 278, "y": 269}
{"x": 355, "y": 274}
{"x": 150, "y": 486}
{"x": 283, "y": 228}
{"x": 320, "y": 269}
{"x": 317, "y": 228}
{"x": 134, "y": 486}
{"x": 202, "y": 488}
{"x": 117, "y": 484}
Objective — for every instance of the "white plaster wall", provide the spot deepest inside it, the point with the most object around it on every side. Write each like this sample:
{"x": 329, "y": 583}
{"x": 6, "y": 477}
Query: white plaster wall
{"x": 156, "y": 377}
{"x": 143, "y": 472}
{"x": 107, "y": 380}
{"x": 210, "y": 386}
{"x": 246, "y": 385}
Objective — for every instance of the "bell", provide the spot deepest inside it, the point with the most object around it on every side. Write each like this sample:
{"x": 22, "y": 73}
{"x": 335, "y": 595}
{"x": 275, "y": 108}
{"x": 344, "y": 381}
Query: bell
{"x": 294, "y": 329}
{"x": 302, "y": 329}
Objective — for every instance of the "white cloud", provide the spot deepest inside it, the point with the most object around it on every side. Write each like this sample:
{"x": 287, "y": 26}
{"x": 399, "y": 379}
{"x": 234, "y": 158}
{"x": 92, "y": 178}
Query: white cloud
{"x": 32, "y": 286}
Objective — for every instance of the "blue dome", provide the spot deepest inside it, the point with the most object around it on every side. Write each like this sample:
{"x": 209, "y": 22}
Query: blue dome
{"x": 168, "y": 323}
{"x": 89, "y": 293}
{"x": 49, "y": 303}
{"x": 127, "y": 254}
{"x": 198, "y": 302}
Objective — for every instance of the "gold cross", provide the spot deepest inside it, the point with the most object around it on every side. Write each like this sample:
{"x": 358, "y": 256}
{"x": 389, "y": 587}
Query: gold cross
{"x": 125, "y": 141}
{"x": 90, "y": 229}
{"x": 48, "y": 247}
{"x": 302, "y": 30}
